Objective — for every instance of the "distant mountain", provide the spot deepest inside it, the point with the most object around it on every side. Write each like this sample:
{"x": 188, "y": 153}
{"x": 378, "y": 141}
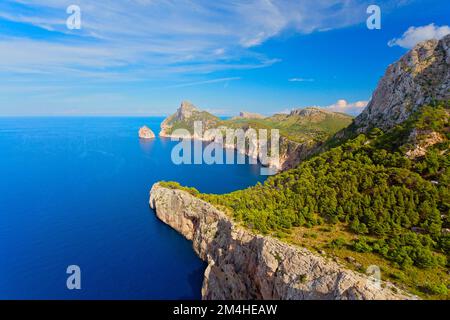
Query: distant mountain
{"x": 185, "y": 117}
{"x": 312, "y": 122}
{"x": 301, "y": 132}
{"x": 249, "y": 115}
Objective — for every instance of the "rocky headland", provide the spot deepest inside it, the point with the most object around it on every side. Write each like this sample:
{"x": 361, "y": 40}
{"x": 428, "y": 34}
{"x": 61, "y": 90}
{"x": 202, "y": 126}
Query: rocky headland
{"x": 420, "y": 77}
{"x": 243, "y": 265}
{"x": 294, "y": 147}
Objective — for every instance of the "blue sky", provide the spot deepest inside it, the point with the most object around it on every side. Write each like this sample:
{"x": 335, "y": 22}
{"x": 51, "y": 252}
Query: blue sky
{"x": 143, "y": 57}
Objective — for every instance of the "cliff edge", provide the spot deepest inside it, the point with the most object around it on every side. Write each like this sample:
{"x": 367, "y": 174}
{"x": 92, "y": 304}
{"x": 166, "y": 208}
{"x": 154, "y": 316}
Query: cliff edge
{"x": 242, "y": 265}
{"x": 420, "y": 77}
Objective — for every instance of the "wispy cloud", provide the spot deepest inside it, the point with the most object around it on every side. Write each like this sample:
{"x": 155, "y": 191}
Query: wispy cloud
{"x": 344, "y": 106}
{"x": 414, "y": 35}
{"x": 301, "y": 80}
{"x": 198, "y": 83}
{"x": 153, "y": 38}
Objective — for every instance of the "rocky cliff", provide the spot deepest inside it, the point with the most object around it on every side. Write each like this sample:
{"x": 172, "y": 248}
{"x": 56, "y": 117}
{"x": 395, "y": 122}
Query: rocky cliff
{"x": 242, "y": 265}
{"x": 146, "y": 133}
{"x": 184, "y": 118}
{"x": 419, "y": 77}
{"x": 305, "y": 130}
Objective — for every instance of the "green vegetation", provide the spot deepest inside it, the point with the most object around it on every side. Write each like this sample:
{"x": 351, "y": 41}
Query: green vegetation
{"x": 177, "y": 186}
{"x": 208, "y": 121}
{"x": 317, "y": 127}
{"x": 387, "y": 208}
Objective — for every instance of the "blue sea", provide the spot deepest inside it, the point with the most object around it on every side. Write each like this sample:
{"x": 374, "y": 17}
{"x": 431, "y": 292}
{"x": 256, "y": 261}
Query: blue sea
{"x": 74, "y": 191}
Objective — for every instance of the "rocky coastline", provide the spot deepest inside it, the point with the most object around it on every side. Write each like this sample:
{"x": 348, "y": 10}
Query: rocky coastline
{"x": 243, "y": 265}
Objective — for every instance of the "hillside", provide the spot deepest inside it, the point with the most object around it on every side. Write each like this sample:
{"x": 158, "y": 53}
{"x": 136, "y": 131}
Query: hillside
{"x": 301, "y": 131}
{"x": 364, "y": 201}
{"x": 301, "y": 125}
{"x": 185, "y": 117}
{"x": 381, "y": 195}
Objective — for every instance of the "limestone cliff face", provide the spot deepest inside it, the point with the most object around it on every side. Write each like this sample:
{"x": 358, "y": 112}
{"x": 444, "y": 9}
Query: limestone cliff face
{"x": 187, "y": 114}
{"x": 242, "y": 265}
{"x": 291, "y": 152}
{"x": 311, "y": 113}
{"x": 419, "y": 77}
{"x": 290, "y": 155}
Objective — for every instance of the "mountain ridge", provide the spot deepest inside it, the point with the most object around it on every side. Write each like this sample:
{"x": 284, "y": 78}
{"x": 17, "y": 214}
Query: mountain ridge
{"x": 301, "y": 131}
{"x": 420, "y": 77}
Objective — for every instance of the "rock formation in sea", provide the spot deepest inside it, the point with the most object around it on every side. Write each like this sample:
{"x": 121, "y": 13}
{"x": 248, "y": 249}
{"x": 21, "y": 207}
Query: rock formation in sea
{"x": 243, "y": 265}
{"x": 146, "y": 133}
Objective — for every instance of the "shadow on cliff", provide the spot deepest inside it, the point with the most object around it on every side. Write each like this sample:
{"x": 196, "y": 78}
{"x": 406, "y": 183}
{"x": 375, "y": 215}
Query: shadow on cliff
{"x": 244, "y": 269}
{"x": 235, "y": 272}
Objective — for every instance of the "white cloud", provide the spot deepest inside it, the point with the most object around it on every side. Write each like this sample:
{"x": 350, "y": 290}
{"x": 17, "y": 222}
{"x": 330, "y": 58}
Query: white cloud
{"x": 198, "y": 83}
{"x": 300, "y": 80}
{"x": 344, "y": 106}
{"x": 414, "y": 35}
{"x": 153, "y": 38}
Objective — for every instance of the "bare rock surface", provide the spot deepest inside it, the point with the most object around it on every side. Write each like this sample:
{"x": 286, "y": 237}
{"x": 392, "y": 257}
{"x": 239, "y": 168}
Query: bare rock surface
{"x": 242, "y": 265}
{"x": 420, "y": 77}
{"x": 146, "y": 133}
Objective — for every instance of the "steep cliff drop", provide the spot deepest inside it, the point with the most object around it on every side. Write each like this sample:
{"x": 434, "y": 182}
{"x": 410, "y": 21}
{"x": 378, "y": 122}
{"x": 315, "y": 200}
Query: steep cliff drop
{"x": 242, "y": 265}
{"x": 301, "y": 131}
{"x": 420, "y": 77}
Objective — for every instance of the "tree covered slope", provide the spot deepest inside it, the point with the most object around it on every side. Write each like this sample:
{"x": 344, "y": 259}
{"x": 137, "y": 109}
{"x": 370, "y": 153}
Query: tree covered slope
{"x": 382, "y": 202}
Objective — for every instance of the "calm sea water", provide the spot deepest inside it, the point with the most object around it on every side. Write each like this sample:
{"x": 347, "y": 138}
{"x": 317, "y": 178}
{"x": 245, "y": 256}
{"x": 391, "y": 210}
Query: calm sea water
{"x": 75, "y": 191}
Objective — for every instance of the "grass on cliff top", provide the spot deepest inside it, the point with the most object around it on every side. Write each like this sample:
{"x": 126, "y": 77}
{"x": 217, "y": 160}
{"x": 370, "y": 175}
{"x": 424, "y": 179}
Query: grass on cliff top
{"x": 176, "y": 186}
{"x": 336, "y": 242}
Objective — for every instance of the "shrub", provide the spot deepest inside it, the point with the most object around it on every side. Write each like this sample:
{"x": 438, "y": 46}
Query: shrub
{"x": 437, "y": 289}
{"x": 360, "y": 245}
{"x": 338, "y": 243}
